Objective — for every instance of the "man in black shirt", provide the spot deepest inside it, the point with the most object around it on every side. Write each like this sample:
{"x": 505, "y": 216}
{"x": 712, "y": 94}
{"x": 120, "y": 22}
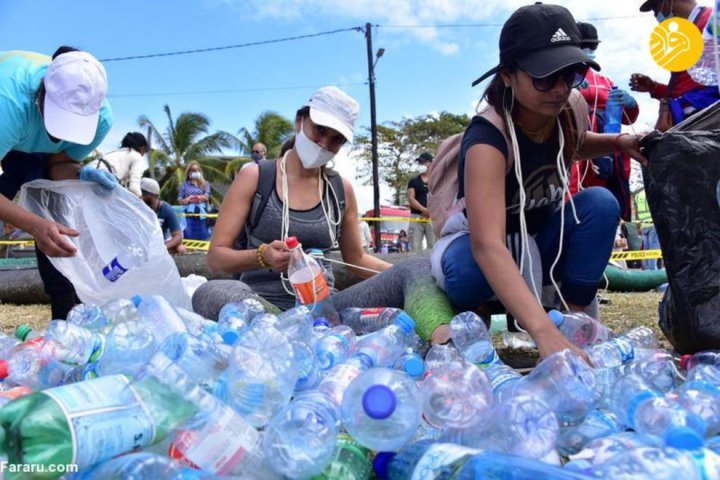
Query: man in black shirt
{"x": 417, "y": 198}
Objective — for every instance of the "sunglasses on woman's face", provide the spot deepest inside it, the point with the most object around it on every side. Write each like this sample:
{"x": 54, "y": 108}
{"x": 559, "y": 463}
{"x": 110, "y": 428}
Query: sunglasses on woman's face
{"x": 572, "y": 76}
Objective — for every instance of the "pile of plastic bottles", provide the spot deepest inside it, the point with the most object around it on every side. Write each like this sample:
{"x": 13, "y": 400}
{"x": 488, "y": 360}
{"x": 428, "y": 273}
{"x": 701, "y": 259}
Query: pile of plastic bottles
{"x": 140, "y": 389}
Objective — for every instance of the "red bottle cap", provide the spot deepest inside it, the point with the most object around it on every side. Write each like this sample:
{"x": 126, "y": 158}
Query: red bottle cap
{"x": 684, "y": 361}
{"x": 3, "y": 369}
{"x": 292, "y": 242}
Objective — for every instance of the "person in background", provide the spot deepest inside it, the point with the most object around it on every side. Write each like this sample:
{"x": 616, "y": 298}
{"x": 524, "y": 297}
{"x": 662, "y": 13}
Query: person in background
{"x": 610, "y": 171}
{"x": 365, "y": 235}
{"x": 194, "y": 195}
{"x": 682, "y": 96}
{"x": 257, "y": 155}
{"x": 53, "y": 113}
{"x": 403, "y": 244}
{"x": 417, "y": 192}
{"x": 169, "y": 223}
{"x": 127, "y": 164}
{"x": 647, "y": 229}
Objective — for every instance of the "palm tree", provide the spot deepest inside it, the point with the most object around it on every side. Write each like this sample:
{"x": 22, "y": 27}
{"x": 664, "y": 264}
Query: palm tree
{"x": 187, "y": 139}
{"x": 271, "y": 129}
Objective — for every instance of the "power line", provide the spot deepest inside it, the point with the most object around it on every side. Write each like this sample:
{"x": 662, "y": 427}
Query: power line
{"x": 228, "y": 47}
{"x": 491, "y": 25}
{"x": 234, "y": 90}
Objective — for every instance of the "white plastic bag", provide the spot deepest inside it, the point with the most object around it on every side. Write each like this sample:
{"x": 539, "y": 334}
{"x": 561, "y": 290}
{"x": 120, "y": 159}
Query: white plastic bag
{"x": 121, "y": 251}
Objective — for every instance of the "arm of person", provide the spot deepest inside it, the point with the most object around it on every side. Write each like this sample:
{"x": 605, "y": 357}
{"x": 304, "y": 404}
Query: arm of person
{"x": 413, "y": 201}
{"x": 485, "y": 198}
{"x": 175, "y": 240}
{"x": 183, "y": 198}
{"x": 47, "y": 234}
{"x": 234, "y": 211}
{"x": 351, "y": 242}
{"x": 136, "y": 172}
{"x": 205, "y": 197}
{"x": 599, "y": 144}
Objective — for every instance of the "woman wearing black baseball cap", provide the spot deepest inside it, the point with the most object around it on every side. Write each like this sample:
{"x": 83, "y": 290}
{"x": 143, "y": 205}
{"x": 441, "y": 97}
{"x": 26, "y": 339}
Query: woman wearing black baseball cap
{"x": 534, "y": 125}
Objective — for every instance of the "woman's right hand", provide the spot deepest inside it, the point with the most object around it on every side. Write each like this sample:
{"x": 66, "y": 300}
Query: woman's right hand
{"x": 641, "y": 83}
{"x": 49, "y": 238}
{"x": 277, "y": 255}
{"x": 550, "y": 340}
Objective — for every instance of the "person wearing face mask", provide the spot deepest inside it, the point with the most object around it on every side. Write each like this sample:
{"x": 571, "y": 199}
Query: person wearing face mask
{"x": 610, "y": 171}
{"x": 127, "y": 164}
{"x": 682, "y": 96}
{"x": 257, "y": 155}
{"x": 305, "y": 199}
{"x": 510, "y": 234}
{"x": 194, "y": 195}
{"x": 169, "y": 223}
{"x": 417, "y": 191}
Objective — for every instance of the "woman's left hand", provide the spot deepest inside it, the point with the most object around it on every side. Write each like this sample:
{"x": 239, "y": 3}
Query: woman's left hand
{"x": 630, "y": 145}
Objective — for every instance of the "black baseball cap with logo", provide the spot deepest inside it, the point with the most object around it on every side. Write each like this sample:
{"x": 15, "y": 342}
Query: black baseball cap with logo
{"x": 541, "y": 39}
{"x": 648, "y": 5}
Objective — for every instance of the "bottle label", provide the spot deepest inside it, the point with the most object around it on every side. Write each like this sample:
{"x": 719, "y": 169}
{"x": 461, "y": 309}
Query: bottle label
{"x": 504, "y": 379}
{"x": 312, "y": 292}
{"x": 219, "y": 446}
{"x": 625, "y": 348}
{"x": 438, "y": 456}
{"x": 113, "y": 270}
{"x": 106, "y": 417}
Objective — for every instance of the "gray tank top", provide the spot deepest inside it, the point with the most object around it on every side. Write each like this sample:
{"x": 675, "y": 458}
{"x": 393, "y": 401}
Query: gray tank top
{"x": 311, "y": 229}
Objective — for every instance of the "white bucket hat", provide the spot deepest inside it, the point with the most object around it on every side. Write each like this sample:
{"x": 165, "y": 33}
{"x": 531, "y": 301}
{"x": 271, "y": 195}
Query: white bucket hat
{"x": 333, "y": 108}
{"x": 75, "y": 88}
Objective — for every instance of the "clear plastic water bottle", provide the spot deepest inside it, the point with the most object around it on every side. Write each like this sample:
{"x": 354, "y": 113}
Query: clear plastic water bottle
{"x": 622, "y": 349}
{"x": 160, "y": 315}
{"x": 120, "y": 310}
{"x": 598, "y": 424}
{"x": 439, "y": 355}
{"x": 261, "y": 376}
{"x": 472, "y": 339}
{"x": 128, "y": 348}
{"x": 700, "y": 395}
{"x": 301, "y": 437}
{"x": 338, "y": 379}
{"x": 640, "y": 406}
{"x": 487, "y": 464}
{"x": 367, "y": 320}
{"x": 129, "y": 258}
{"x": 502, "y": 377}
{"x": 613, "y": 114}
{"x": 296, "y": 324}
{"x": 350, "y": 461}
{"x": 309, "y": 375}
{"x": 381, "y": 409}
{"x": 567, "y": 385}
{"x": 601, "y": 449}
{"x": 75, "y": 345}
{"x": 659, "y": 463}
{"x": 580, "y": 328}
{"x": 91, "y": 317}
{"x": 390, "y": 342}
{"x": 33, "y": 368}
{"x": 309, "y": 283}
{"x": 456, "y": 395}
{"x": 425, "y": 459}
{"x": 234, "y": 317}
{"x": 140, "y": 465}
{"x": 7, "y": 343}
{"x": 335, "y": 346}
{"x": 198, "y": 357}
{"x": 412, "y": 364}
{"x": 25, "y": 333}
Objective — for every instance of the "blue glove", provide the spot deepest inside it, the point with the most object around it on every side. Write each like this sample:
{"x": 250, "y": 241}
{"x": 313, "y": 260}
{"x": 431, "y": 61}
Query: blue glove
{"x": 622, "y": 97}
{"x": 102, "y": 177}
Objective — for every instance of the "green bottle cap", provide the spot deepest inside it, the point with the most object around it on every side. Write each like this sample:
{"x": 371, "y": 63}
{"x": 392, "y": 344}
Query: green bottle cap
{"x": 22, "y": 331}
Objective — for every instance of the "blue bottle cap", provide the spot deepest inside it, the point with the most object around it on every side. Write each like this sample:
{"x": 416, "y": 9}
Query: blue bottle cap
{"x": 379, "y": 402}
{"x": 405, "y": 322}
{"x": 414, "y": 366}
{"x": 557, "y": 317}
{"x": 137, "y": 300}
{"x": 321, "y": 321}
{"x": 381, "y": 464}
{"x": 683, "y": 438}
{"x": 230, "y": 337}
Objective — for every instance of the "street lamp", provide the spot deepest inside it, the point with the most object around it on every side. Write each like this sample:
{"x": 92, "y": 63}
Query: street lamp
{"x": 373, "y": 131}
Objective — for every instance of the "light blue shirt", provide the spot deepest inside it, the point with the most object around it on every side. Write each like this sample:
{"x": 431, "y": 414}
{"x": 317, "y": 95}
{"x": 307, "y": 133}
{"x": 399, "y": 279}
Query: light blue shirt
{"x": 21, "y": 125}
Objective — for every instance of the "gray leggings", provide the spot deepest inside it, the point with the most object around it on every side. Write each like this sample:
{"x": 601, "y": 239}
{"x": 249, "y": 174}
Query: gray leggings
{"x": 408, "y": 285}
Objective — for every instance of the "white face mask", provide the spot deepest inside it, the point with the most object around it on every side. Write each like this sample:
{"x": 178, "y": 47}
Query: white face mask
{"x": 590, "y": 53}
{"x": 661, "y": 17}
{"x": 195, "y": 175}
{"x": 422, "y": 169}
{"x": 311, "y": 154}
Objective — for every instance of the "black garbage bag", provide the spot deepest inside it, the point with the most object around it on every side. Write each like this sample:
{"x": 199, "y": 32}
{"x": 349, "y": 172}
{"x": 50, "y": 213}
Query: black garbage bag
{"x": 680, "y": 184}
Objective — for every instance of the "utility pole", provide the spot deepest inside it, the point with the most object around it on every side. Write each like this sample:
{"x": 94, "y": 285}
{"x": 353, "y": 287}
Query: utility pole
{"x": 373, "y": 135}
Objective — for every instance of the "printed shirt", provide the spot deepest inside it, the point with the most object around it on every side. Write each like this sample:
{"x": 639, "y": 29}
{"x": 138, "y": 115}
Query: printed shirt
{"x": 21, "y": 125}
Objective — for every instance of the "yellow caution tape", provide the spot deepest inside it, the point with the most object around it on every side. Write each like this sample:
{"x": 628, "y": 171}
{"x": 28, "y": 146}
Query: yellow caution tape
{"x": 397, "y": 219}
{"x": 207, "y": 215}
{"x": 197, "y": 245}
{"x": 636, "y": 255}
{"x": 24, "y": 243}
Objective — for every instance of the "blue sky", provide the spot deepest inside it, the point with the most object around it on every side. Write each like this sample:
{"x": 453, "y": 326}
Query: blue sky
{"x": 424, "y": 70}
